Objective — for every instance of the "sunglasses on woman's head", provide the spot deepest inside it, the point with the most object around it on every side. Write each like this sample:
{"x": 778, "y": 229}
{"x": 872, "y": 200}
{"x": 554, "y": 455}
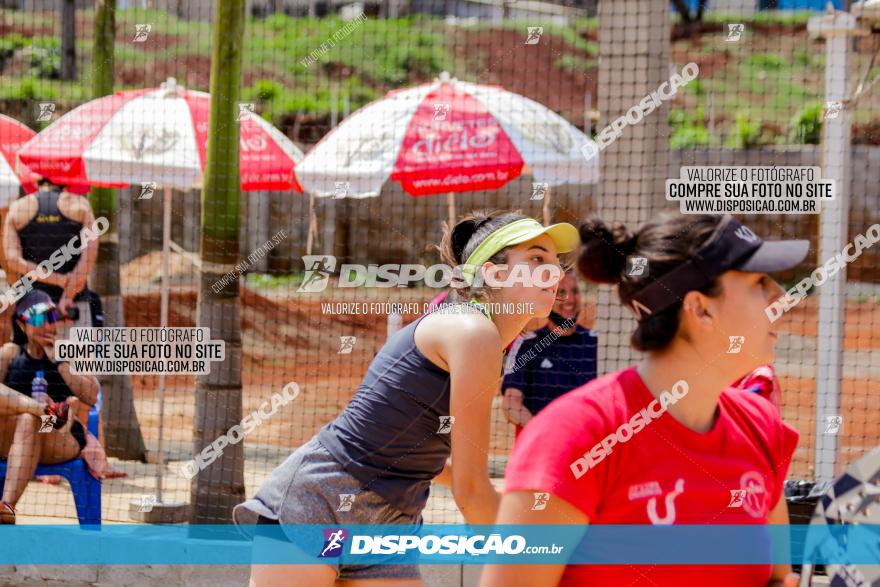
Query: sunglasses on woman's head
{"x": 40, "y": 315}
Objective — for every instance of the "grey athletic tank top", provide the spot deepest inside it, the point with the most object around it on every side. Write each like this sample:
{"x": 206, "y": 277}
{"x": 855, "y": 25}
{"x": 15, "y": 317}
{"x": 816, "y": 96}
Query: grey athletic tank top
{"x": 394, "y": 435}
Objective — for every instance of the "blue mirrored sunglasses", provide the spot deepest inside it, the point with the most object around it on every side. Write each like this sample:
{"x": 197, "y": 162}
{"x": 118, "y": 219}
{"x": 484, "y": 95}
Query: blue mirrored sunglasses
{"x": 40, "y": 315}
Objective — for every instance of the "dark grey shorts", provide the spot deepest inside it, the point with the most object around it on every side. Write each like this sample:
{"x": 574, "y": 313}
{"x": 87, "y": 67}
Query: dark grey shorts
{"x": 307, "y": 488}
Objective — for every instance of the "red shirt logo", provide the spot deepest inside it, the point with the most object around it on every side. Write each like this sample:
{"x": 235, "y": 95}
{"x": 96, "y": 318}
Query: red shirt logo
{"x": 669, "y": 502}
{"x": 755, "y": 502}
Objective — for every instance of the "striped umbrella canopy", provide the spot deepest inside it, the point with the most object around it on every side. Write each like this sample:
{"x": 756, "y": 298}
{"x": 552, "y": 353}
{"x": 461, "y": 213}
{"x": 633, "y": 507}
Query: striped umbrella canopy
{"x": 155, "y": 135}
{"x": 447, "y": 136}
{"x": 13, "y": 135}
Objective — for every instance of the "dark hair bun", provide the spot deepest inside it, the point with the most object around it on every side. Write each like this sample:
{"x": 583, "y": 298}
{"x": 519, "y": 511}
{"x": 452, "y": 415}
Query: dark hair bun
{"x": 464, "y": 231}
{"x": 602, "y": 258}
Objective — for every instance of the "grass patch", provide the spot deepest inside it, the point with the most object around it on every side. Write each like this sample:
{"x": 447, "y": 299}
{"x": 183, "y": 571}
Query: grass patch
{"x": 768, "y": 82}
{"x": 270, "y": 281}
{"x": 40, "y": 90}
{"x": 688, "y": 130}
{"x": 766, "y": 62}
{"x": 764, "y": 17}
{"x": 573, "y": 63}
{"x": 387, "y": 51}
{"x": 568, "y": 34}
{"x": 809, "y": 59}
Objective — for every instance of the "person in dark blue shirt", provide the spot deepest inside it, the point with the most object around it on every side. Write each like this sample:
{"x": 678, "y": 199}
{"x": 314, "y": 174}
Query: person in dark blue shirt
{"x": 550, "y": 361}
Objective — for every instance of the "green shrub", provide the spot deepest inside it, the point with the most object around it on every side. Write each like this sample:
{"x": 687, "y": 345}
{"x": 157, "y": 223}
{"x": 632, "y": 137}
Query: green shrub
{"x": 746, "y": 134}
{"x": 9, "y": 44}
{"x": 27, "y": 89}
{"x": 805, "y": 58}
{"x": 688, "y": 131}
{"x": 695, "y": 87}
{"x": 767, "y": 61}
{"x": 45, "y": 59}
{"x": 573, "y": 63}
{"x": 807, "y": 125}
{"x": 265, "y": 90}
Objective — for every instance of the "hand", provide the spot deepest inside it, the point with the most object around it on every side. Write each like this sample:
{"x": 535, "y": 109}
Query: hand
{"x": 521, "y": 417}
{"x": 49, "y": 349}
{"x": 66, "y": 302}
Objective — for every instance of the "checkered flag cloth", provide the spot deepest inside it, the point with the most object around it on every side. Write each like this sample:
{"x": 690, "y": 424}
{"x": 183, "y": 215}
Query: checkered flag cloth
{"x": 853, "y": 498}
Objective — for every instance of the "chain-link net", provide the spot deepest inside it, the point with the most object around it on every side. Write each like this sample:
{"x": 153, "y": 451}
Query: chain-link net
{"x": 526, "y": 83}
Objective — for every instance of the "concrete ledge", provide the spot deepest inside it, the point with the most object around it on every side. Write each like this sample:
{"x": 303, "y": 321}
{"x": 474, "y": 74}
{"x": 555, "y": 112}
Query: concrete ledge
{"x": 183, "y": 575}
{"x": 197, "y": 575}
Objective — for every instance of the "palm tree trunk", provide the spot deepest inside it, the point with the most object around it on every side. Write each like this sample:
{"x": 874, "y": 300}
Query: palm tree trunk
{"x": 214, "y": 491}
{"x": 122, "y": 432}
{"x": 68, "y": 39}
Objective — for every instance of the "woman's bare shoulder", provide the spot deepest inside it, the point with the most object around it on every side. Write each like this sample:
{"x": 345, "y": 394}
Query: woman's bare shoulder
{"x": 455, "y": 328}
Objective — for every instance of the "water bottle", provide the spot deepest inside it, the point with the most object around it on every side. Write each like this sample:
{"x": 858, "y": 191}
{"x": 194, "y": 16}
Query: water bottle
{"x": 40, "y": 388}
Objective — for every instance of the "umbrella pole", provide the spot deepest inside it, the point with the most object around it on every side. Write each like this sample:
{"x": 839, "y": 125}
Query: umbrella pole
{"x": 313, "y": 225}
{"x": 159, "y": 510}
{"x": 546, "y": 207}
{"x": 163, "y": 322}
{"x": 450, "y": 208}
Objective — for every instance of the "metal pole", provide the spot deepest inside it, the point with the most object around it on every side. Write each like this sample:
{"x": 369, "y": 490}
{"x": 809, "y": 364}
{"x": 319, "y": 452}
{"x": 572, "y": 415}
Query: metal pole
{"x": 334, "y": 107}
{"x": 833, "y": 236}
{"x": 450, "y": 208}
{"x": 163, "y": 322}
{"x": 313, "y": 225}
{"x": 711, "y": 100}
{"x": 546, "y": 207}
{"x": 588, "y": 115}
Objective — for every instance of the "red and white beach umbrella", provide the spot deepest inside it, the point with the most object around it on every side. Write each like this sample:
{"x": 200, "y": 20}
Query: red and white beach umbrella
{"x": 13, "y": 135}
{"x": 446, "y": 136}
{"x": 155, "y": 135}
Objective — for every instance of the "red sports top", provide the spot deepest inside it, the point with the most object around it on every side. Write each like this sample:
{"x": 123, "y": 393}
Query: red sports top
{"x": 664, "y": 474}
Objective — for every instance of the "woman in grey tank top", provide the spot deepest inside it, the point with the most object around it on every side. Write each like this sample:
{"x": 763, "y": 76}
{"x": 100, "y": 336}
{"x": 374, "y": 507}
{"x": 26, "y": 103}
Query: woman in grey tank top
{"x": 426, "y": 397}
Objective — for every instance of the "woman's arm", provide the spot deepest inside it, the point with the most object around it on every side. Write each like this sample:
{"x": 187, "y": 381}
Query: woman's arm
{"x": 11, "y": 401}
{"x": 516, "y": 508}
{"x": 471, "y": 347}
{"x": 78, "y": 278}
{"x": 782, "y": 575}
{"x": 7, "y": 354}
{"x": 84, "y": 387}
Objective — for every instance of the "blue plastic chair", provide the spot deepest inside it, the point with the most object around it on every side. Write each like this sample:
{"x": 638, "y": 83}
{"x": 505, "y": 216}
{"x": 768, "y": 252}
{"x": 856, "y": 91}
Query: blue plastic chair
{"x": 86, "y": 489}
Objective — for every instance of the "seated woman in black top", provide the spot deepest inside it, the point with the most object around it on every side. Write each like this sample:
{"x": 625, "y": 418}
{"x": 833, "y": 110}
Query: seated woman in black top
{"x": 21, "y": 444}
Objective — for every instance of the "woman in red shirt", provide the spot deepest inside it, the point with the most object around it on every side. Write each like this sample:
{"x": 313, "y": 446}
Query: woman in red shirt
{"x": 666, "y": 441}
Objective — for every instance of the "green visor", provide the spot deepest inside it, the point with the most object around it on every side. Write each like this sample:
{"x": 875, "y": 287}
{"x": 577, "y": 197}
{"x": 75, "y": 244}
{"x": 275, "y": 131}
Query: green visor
{"x": 564, "y": 235}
